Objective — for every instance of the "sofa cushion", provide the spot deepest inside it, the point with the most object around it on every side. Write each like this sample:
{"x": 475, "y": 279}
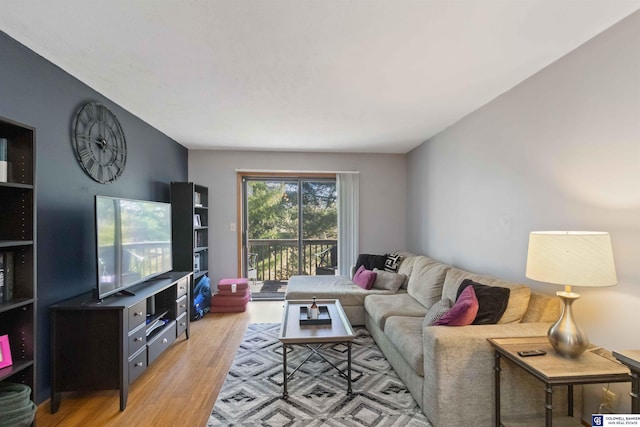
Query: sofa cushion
{"x": 364, "y": 278}
{"x": 518, "y": 298}
{"x": 426, "y": 281}
{"x": 543, "y": 308}
{"x": 371, "y": 261}
{"x": 388, "y": 280}
{"x": 405, "y": 333}
{"x": 436, "y": 311}
{"x": 329, "y": 287}
{"x": 463, "y": 311}
{"x": 406, "y": 266}
{"x": 381, "y": 307}
{"x": 492, "y": 301}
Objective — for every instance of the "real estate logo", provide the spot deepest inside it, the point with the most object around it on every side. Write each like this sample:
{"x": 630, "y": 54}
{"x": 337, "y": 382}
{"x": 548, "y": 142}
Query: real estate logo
{"x": 609, "y": 420}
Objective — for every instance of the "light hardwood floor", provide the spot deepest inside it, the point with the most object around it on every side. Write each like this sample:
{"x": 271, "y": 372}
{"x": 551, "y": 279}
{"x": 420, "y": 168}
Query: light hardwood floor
{"x": 180, "y": 388}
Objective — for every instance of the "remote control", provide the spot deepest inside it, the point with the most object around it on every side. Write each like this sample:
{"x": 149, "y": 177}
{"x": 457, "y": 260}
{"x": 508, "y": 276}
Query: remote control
{"x": 530, "y": 353}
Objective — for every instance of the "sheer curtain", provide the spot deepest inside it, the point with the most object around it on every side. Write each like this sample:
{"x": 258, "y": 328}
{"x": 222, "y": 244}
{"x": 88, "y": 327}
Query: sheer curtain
{"x": 348, "y": 187}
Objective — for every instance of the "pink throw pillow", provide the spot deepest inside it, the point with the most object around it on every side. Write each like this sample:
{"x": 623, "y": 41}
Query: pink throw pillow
{"x": 464, "y": 311}
{"x": 364, "y": 278}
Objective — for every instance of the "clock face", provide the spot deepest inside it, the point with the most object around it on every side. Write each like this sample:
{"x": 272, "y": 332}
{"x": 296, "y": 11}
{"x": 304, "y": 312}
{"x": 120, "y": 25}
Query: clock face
{"x": 99, "y": 143}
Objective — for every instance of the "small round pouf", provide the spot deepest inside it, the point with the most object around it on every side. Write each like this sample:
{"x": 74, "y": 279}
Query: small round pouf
{"x": 16, "y": 409}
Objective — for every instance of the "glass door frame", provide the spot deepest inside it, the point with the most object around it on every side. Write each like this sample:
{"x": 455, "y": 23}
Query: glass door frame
{"x": 242, "y": 178}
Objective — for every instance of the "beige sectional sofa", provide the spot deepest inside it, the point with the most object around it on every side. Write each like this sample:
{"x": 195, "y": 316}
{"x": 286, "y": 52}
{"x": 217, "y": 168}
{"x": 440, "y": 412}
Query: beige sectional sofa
{"x": 447, "y": 369}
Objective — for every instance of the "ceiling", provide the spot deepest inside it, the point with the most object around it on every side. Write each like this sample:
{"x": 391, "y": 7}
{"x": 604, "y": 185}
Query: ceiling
{"x": 305, "y": 75}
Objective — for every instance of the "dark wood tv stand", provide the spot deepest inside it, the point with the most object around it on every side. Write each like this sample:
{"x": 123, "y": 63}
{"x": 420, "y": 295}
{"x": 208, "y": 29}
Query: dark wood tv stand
{"x": 107, "y": 344}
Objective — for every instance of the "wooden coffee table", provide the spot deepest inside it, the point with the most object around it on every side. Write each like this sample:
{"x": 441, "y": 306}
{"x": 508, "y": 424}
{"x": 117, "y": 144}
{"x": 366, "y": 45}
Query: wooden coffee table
{"x": 314, "y": 336}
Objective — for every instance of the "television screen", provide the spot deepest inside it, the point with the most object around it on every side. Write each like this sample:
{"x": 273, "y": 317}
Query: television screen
{"x": 133, "y": 239}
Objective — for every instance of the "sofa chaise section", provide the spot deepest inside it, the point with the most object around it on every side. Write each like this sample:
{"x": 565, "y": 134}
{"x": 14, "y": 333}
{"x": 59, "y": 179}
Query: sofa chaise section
{"x": 350, "y": 295}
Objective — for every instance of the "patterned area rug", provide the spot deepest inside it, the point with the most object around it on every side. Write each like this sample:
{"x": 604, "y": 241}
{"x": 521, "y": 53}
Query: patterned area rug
{"x": 252, "y": 392}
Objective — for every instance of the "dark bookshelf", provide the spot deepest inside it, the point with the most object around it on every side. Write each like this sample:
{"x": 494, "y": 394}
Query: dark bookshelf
{"x": 18, "y": 253}
{"x": 190, "y": 219}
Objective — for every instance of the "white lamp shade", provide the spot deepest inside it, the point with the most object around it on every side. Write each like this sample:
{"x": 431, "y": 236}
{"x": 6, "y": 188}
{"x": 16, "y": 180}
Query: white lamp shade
{"x": 575, "y": 258}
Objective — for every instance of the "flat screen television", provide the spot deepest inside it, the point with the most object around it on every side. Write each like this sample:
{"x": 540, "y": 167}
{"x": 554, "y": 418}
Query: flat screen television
{"x": 133, "y": 242}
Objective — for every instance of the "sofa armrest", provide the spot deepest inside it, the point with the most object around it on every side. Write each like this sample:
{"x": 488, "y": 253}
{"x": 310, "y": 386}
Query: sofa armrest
{"x": 459, "y": 375}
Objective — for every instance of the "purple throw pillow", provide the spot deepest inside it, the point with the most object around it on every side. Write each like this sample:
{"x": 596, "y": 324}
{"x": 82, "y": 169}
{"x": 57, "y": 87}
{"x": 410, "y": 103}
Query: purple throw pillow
{"x": 364, "y": 278}
{"x": 464, "y": 311}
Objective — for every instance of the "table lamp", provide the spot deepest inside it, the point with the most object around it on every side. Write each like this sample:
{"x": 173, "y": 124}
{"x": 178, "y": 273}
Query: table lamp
{"x": 570, "y": 258}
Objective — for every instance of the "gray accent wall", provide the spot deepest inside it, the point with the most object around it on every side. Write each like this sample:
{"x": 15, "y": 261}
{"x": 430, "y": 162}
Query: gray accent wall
{"x": 382, "y": 196}
{"x": 37, "y": 93}
{"x": 559, "y": 151}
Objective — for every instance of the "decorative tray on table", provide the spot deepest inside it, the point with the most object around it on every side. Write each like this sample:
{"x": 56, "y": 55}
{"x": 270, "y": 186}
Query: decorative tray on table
{"x": 323, "y": 316}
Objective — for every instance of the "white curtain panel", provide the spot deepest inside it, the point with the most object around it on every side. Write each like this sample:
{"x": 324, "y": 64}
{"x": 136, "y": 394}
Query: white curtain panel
{"x": 348, "y": 185}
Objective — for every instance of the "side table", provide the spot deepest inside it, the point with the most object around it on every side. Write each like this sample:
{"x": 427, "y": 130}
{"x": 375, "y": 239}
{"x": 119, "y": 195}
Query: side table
{"x": 592, "y": 367}
{"x": 631, "y": 358}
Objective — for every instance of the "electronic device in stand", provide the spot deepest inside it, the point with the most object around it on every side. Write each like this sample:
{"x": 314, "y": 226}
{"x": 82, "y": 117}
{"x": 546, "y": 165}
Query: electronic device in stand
{"x": 133, "y": 243}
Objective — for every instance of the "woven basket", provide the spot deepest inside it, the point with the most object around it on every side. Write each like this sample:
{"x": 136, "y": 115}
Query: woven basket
{"x": 16, "y": 409}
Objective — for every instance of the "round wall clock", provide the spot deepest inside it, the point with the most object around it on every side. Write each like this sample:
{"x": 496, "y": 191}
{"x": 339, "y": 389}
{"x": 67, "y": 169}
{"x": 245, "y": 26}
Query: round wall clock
{"x": 99, "y": 143}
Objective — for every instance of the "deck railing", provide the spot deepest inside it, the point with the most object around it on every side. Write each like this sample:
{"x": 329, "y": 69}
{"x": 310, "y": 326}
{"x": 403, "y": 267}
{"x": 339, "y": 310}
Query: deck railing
{"x": 136, "y": 261}
{"x": 279, "y": 259}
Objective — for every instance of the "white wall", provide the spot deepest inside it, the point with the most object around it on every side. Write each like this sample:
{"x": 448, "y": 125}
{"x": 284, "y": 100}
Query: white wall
{"x": 382, "y": 195}
{"x": 559, "y": 151}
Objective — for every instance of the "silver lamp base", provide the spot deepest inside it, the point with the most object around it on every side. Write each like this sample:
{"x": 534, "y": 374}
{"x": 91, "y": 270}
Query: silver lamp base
{"x": 565, "y": 336}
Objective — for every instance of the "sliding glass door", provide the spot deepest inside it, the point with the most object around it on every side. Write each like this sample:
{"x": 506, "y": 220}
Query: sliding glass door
{"x": 289, "y": 227}
{"x": 319, "y": 219}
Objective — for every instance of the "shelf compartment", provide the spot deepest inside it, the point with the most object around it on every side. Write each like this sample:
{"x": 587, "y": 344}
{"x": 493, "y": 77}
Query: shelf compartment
{"x": 15, "y": 186}
{"x": 153, "y": 327}
{"x": 199, "y": 274}
{"x": 18, "y": 367}
{"x": 200, "y": 237}
{"x": 15, "y": 303}
{"x": 203, "y": 255}
{"x": 19, "y": 151}
{"x": 200, "y": 196}
{"x": 22, "y": 272}
{"x": 16, "y": 243}
{"x": 16, "y": 221}
{"x": 18, "y": 325}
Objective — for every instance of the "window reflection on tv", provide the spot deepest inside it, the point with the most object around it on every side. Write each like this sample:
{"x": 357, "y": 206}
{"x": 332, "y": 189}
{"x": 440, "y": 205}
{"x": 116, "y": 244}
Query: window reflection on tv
{"x": 133, "y": 242}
